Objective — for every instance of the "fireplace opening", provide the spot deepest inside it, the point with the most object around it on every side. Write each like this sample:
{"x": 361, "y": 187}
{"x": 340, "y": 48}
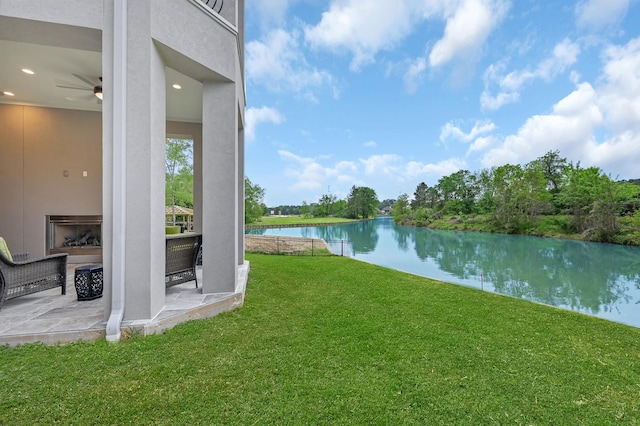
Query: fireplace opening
{"x": 78, "y": 236}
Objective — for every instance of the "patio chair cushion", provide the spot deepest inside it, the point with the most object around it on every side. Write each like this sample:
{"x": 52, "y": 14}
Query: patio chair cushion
{"x": 169, "y": 230}
{"x": 4, "y": 249}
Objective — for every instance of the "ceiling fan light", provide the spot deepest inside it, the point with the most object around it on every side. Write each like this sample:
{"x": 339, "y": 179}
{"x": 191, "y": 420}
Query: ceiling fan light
{"x": 98, "y": 92}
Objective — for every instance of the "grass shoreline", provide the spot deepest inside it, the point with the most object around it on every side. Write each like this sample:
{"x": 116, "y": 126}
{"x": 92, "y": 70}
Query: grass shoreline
{"x": 332, "y": 340}
{"x": 546, "y": 226}
{"x": 298, "y": 221}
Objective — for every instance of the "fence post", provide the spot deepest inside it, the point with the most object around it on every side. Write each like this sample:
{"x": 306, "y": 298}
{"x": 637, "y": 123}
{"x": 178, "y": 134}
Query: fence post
{"x": 312, "y": 247}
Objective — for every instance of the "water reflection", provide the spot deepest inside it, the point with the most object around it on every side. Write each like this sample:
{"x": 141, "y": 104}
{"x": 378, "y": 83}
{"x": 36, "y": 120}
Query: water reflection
{"x": 588, "y": 277}
{"x": 593, "y": 278}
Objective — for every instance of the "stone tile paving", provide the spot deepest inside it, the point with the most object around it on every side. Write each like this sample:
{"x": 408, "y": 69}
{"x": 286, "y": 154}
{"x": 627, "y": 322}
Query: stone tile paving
{"x": 48, "y": 316}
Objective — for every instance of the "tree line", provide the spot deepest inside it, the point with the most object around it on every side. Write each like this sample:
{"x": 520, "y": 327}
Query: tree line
{"x": 361, "y": 203}
{"x": 516, "y": 196}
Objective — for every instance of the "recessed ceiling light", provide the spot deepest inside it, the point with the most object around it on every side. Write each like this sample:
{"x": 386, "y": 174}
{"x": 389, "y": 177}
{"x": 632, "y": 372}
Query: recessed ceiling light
{"x": 177, "y": 86}
{"x": 27, "y": 71}
{"x": 8, "y": 94}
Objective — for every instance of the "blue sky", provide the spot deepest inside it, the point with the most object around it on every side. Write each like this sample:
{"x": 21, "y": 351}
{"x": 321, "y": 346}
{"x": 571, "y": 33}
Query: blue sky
{"x": 390, "y": 94}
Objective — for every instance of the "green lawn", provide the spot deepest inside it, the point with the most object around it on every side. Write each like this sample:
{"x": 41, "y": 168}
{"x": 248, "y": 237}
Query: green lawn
{"x": 297, "y": 220}
{"x": 333, "y": 341}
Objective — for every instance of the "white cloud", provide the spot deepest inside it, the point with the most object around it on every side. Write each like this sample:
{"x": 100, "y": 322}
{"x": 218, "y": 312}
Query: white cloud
{"x": 370, "y": 144}
{"x": 414, "y": 74}
{"x": 619, "y": 155}
{"x": 278, "y": 63}
{"x": 309, "y": 174}
{"x": 467, "y": 30}
{"x": 568, "y": 129}
{"x": 386, "y": 164}
{"x": 306, "y": 172}
{"x": 620, "y": 97}
{"x": 365, "y": 27}
{"x": 509, "y": 86}
{"x": 482, "y": 144}
{"x": 611, "y": 110}
{"x": 451, "y": 131}
{"x": 416, "y": 169}
{"x": 362, "y": 27}
{"x": 255, "y": 116}
{"x": 597, "y": 14}
{"x": 270, "y": 12}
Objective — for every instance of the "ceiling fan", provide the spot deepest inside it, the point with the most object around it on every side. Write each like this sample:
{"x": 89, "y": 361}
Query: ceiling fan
{"x": 96, "y": 88}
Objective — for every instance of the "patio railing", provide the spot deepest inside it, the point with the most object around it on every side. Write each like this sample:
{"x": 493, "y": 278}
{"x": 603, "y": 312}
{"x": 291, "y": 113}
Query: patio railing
{"x": 215, "y": 5}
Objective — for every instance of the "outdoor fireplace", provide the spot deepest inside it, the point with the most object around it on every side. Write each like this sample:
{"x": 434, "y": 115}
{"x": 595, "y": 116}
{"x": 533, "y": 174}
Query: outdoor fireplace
{"x": 78, "y": 236}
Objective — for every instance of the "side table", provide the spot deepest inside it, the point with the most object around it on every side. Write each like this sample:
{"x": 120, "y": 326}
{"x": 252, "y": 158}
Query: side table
{"x": 88, "y": 281}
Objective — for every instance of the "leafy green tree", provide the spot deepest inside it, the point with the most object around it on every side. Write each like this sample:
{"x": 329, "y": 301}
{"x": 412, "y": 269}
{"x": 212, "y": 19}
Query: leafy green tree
{"x": 324, "y": 207}
{"x": 401, "y": 209}
{"x": 253, "y": 201}
{"x": 594, "y": 200}
{"x": 433, "y": 197}
{"x": 179, "y": 172}
{"x": 458, "y": 192}
{"x": 340, "y": 208}
{"x": 305, "y": 210}
{"x": 629, "y": 197}
{"x": 486, "y": 197}
{"x": 362, "y": 202}
{"x": 553, "y": 167}
{"x": 521, "y": 195}
{"x": 420, "y": 196}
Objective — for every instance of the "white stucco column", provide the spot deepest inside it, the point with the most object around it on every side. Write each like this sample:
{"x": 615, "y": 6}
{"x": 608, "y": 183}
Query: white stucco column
{"x": 220, "y": 190}
{"x": 146, "y": 140}
{"x": 241, "y": 197}
{"x": 197, "y": 182}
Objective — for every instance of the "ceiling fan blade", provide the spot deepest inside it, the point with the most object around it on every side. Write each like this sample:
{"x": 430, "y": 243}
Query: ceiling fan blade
{"x": 72, "y": 87}
{"x": 85, "y": 79}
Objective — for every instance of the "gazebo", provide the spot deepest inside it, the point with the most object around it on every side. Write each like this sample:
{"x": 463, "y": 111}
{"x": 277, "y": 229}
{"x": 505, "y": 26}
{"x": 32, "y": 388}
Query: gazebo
{"x": 179, "y": 215}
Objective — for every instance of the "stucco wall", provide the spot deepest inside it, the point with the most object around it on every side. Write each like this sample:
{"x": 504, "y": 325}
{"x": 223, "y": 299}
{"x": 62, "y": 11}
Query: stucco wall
{"x": 37, "y": 146}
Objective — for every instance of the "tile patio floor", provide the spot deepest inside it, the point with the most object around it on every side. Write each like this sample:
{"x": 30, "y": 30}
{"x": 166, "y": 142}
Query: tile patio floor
{"x": 50, "y": 317}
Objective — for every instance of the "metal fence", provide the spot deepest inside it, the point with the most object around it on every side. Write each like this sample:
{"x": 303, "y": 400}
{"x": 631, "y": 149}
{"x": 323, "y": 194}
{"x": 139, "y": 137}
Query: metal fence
{"x": 296, "y": 246}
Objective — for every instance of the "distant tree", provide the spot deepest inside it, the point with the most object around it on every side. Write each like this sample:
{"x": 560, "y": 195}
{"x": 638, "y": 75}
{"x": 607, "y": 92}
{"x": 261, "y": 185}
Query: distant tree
{"x": 362, "y": 202}
{"x": 325, "y": 205}
{"x": 253, "y": 201}
{"x": 553, "y": 167}
{"x": 421, "y": 196}
{"x": 285, "y": 210}
{"x": 521, "y": 195}
{"x": 305, "y": 210}
{"x": 486, "y": 196}
{"x": 629, "y": 197}
{"x": 401, "y": 208}
{"x": 594, "y": 200}
{"x": 340, "y": 208}
{"x": 458, "y": 192}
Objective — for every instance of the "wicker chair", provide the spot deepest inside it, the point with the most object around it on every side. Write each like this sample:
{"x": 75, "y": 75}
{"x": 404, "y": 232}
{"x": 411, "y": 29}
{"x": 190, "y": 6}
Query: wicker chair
{"x": 181, "y": 256}
{"x": 22, "y": 276}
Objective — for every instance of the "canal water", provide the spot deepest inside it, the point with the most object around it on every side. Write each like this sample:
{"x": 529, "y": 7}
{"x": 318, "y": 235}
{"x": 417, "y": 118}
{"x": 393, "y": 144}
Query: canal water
{"x": 592, "y": 278}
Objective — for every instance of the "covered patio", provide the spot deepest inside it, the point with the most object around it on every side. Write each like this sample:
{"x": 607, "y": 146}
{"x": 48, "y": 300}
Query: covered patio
{"x": 49, "y": 317}
{"x": 167, "y": 67}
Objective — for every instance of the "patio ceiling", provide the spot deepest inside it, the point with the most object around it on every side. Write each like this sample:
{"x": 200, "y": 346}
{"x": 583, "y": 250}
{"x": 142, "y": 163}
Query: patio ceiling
{"x": 57, "y": 66}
